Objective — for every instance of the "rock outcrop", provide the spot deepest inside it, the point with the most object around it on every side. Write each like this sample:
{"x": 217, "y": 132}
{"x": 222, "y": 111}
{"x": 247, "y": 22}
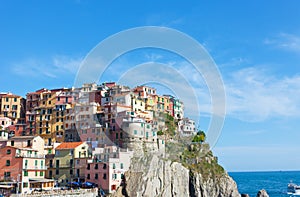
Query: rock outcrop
{"x": 262, "y": 193}
{"x": 152, "y": 175}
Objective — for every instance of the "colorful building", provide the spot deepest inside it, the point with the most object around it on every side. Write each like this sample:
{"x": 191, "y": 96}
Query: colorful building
{"x": 107, "y": 167}
{"x": 66, "y": 154}
{"x": 23, "y": 164}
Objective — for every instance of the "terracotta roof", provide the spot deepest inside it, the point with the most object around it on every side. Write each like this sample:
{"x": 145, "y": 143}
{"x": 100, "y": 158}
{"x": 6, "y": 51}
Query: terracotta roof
{"x": 10, "y": 96}
{"x": 68, "y": 145}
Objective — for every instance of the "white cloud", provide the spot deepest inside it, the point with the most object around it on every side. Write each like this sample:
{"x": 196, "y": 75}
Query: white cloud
{"x": 57, "y": 66}
{"x": 289, "y": 42}
{"x": 253, "y": 95}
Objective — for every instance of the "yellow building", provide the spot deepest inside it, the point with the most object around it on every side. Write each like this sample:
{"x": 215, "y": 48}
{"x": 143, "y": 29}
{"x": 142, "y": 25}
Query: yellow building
{"x": 50, "y": 114}
{"x": 12, "y": 106}
{"x": 44, "y": 117}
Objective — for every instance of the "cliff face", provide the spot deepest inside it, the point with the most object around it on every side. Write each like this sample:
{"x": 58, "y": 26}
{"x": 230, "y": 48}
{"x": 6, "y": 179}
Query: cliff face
{"x": 223, "y": 186}
{"x": 151, "y": 175}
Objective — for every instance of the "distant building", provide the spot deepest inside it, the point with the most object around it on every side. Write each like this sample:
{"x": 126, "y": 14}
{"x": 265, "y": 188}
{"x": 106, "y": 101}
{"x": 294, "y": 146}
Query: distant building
{"x": 186, "y": 127}
{"x": 13, "y": 107}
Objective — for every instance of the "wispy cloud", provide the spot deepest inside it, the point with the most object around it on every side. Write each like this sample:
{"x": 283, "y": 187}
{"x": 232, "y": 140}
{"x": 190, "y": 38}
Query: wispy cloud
{"x": 285, "y": 41}
{"x": 57, "y": 66}
{"x": 254, "y": 95}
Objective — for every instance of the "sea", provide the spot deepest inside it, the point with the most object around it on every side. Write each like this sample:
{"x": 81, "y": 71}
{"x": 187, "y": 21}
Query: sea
{"x": 275, "y": 182}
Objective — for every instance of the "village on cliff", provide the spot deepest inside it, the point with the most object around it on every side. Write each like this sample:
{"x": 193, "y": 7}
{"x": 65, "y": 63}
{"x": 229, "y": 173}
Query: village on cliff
{"x": 82, "y": 137}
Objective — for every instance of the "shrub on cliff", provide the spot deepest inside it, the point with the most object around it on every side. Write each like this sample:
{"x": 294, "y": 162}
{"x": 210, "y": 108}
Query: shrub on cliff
{"x": 200, "y": 137}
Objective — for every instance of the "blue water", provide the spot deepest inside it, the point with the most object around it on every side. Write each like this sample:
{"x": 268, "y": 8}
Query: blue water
{"x": 275, "y": 183}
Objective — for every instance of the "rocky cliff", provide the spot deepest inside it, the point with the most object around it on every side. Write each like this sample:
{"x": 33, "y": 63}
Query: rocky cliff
{"x": 182, "y": 173}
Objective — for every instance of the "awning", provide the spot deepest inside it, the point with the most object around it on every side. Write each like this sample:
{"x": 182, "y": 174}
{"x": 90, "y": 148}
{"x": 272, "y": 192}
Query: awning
{"x": 41, "y": 180}
{"x": 6, "y": 186}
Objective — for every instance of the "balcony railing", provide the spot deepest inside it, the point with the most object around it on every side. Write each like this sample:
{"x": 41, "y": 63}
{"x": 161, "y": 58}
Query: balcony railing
{"x": 29, "y": 155}
{"x": 35, "y": 168}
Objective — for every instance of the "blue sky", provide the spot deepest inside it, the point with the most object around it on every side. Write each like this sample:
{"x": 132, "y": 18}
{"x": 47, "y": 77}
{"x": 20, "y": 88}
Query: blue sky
{"x": 256, "y": 46}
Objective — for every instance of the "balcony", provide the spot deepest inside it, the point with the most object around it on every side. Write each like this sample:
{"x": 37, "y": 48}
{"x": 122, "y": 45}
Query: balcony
{"x": 29, "y": 156}
{"x": 35, "y": 168}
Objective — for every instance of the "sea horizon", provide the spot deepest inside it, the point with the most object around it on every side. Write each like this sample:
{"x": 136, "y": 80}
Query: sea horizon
{"x": 250, "y": 171}
{"x": 274, "y": 182}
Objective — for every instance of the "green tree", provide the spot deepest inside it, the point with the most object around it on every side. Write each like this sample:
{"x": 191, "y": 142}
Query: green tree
{"x": 200, "y": 137}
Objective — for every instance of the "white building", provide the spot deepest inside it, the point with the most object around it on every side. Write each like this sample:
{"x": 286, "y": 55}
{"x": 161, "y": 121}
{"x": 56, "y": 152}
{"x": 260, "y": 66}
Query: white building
{"x": 5, "y": 122}
{"x": 186, "y": 127}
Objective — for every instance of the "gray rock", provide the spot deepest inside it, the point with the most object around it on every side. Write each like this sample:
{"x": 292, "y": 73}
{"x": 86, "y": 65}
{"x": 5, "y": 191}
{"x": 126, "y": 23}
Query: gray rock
{"x": 262, "y": 193}
{"x": 152, "y": 176}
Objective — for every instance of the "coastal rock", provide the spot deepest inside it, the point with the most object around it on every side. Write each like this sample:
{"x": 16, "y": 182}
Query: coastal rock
{"x": 223, "y": 186}
{"x": 245, "y": 195}
{"x": 151, "y": 175}
{"x": 262, "y": 193}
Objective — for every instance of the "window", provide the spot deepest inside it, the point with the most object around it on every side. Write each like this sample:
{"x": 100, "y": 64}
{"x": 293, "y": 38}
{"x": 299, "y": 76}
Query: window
{"x": 57, "y": 153}
{"x": 12, "y": 143}
{"x": 117, "y": 136}
{"x": 71, "y": 171}
{"x": 104, "y": 166}
{"x": 36, "y": 173}
{"x": 6, "y": 174}
{"x": 7, "y": 162}
{"x": 104, "y": 176}
{"x": 114, "y": 166}
{"x": 135, "y": 132}
{"x": 88, "y": 166}
{"x": 25, "y": 173}
{"x": 57, "y": 172}
{"x": 114, "y": 176}
{"x": 36, "y": 162}
{"x": 8, "y": 151}
{"x": 50, "y": 173}
{"x": 57, "y": 163}
{"x": 88, "y": 176}
{"x": 121, "y": 166}
{"x": 96, "y": 166}
{"x": 41, "y": 173}
{"x": 96, "y": 176}
{"x": 148, "y": 126}
{"x": 25, "y": 184}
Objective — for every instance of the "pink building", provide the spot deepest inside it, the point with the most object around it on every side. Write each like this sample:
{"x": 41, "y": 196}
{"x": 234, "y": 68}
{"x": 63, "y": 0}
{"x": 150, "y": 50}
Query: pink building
{"x": 107, "y": 167}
